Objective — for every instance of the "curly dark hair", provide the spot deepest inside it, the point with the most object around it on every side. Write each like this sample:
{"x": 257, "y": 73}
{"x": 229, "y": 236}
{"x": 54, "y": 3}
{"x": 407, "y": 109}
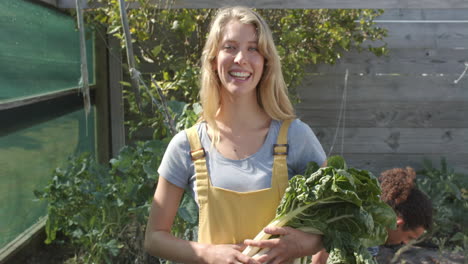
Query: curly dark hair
{"x": 399, "y": 191}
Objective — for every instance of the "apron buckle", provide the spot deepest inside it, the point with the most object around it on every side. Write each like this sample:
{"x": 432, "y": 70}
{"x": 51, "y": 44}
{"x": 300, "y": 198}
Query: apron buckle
{"x": 198, "y": 154}
{"x": 280, "y": 149}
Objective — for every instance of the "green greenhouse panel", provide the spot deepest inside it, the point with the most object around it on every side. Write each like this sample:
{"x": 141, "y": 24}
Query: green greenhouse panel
{"x": 40, "y": 51}
{"x": 28, "y": 158}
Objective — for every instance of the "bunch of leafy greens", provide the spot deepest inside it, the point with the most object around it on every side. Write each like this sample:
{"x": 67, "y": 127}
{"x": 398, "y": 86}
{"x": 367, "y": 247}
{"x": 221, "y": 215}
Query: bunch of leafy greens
{"x": 341, "y": 203}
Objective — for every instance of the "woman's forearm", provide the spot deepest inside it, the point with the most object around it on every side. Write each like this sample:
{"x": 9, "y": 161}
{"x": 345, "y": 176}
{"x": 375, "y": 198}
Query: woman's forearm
{"x": 164, "y": 245}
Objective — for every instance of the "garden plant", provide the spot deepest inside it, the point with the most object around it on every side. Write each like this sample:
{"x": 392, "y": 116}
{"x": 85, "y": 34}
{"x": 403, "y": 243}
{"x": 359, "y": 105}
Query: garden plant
{"x": 102, "y": 208}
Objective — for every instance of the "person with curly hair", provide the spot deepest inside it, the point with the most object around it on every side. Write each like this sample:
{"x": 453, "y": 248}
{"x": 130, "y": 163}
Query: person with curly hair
{"x": 412, "y": 207}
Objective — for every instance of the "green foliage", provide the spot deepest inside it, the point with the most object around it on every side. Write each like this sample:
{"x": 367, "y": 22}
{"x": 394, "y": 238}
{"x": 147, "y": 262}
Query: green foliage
{"x": 168, "y": 45}
{"x": 336, "y": 162}
{"x": 449, "y": 195}
{"x": 343, "y": 205}
{"x": 104, "y": 211}
{"x": 314, "y": 36}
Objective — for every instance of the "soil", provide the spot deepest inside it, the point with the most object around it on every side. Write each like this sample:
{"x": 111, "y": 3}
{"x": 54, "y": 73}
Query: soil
{"x": 43, "y": 254}
{"x": 418, "y": 255}
{"x": 63, "y": 254}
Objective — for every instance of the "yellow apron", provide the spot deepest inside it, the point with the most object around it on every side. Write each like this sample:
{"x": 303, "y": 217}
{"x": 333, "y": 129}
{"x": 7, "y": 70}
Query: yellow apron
{"x": 229, "y": 217}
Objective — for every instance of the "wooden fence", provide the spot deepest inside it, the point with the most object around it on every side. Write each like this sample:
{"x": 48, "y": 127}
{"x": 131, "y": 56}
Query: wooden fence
{"x": 396, "y": 110}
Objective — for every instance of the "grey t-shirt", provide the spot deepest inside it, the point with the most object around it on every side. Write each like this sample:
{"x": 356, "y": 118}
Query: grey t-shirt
{"x": 249, "y": 174}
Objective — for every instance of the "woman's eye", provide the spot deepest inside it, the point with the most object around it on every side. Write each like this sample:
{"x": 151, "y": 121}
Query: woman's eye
{"x": 228, "y": 47}
{"x": 253, "y": 49}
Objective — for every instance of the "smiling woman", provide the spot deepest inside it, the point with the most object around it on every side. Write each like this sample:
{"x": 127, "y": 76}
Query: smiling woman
{"x": 239, "y": 157}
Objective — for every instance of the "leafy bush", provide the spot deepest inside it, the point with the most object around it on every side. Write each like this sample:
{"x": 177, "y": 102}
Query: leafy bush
{"x": 168, "y": 43}
{"x": 103, "y": 210}
{"x": 449, "y": 195}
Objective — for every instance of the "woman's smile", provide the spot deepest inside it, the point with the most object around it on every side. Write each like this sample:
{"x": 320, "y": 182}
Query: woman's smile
{"x": 239, "y": 63}
{"x": 240, "y": 75}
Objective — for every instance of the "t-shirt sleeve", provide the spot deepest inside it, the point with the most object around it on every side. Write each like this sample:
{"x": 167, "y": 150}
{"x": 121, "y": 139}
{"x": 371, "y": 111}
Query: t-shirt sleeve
{"x": 176, "y": 162}
{"x": 304, "y": 147}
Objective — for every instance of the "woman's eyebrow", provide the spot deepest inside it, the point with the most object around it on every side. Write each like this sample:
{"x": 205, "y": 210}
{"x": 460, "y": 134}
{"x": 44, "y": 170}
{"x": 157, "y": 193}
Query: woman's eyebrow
{"x": 234, "y": 41}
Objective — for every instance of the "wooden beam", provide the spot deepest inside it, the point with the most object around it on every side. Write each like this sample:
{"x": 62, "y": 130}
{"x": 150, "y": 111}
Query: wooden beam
{"x": 21, "y": 241}
{"x": 24, "y": 101}
{"x": 294, "y": 4}
{"x": 53, "y": 3}
{"x": 102, "y": 100}
{"x": 116, "y": 103}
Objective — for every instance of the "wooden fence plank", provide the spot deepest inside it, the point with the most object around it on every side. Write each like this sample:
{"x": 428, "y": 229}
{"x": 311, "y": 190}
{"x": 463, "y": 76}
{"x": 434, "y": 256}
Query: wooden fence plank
{"x": 378, "y": 163}
{"x": 324, "y": 3}
{"x": 399, "y": 61}
{"x": 395, "y": 140}
{"x": 431, "y": 55}
{"x": 426, "y": 35}
{"x": 383, "y": 88}
{"x": 423, "y": 14}
{"x": 294, "y": 4}
{"x": 403, "y": 114}
{"x": 398, "y": 67}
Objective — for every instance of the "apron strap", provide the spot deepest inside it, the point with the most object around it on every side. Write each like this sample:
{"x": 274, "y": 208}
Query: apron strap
{"x": 280, "y": 166}
{"x": 280, "y": 155}
{"x": 198, "y": 154}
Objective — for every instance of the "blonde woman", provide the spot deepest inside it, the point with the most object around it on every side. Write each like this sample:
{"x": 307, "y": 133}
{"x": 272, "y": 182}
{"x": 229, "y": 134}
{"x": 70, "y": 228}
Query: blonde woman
{"x": 237, "y": 160}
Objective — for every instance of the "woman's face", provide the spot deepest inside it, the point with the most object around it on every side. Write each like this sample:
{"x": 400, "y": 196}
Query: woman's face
{"x": 239, "y": 63}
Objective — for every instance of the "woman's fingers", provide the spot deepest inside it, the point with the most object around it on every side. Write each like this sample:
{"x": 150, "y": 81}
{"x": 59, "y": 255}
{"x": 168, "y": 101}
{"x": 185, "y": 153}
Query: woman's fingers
{"x": 270, "y": 243}
{"x": 290, "y": 244}
{"x": 246, "y": 260}
{"x": 240, "y": 246}
{"x": 280, "y": 231}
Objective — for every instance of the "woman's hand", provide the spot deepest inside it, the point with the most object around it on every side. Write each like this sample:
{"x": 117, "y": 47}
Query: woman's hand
{"x": 225, "y": 254}
{"x": 290, "y": 244}
{"x": 320, "y": 258}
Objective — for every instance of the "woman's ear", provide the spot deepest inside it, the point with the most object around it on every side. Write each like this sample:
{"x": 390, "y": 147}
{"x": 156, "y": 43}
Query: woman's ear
{"x": 400, "y": 221}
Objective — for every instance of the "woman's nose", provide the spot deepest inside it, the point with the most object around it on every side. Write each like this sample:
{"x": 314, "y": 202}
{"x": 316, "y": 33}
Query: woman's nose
{"x": 240, "y": 57}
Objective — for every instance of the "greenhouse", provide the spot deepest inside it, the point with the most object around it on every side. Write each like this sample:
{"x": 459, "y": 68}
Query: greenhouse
{"x": 95, "y": 93}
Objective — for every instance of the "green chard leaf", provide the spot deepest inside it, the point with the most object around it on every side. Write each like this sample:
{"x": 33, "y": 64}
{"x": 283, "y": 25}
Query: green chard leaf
{"x": 341, "y": 203}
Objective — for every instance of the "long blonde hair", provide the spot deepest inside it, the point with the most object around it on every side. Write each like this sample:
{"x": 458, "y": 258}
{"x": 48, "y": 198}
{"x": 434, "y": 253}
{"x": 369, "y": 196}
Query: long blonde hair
{"x": 272, "y": 92}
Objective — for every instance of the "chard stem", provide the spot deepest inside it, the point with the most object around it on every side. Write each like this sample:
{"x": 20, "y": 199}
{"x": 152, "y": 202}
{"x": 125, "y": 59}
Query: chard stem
{"x": 281, "y": 221}
{"x": 338, "y": 218}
